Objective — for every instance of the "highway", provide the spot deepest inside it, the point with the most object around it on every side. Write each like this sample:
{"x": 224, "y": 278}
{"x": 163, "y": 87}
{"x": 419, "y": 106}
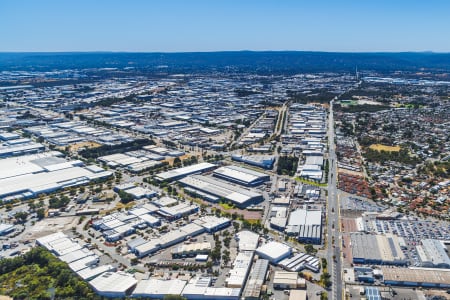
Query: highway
{"x": 333, "y": 224}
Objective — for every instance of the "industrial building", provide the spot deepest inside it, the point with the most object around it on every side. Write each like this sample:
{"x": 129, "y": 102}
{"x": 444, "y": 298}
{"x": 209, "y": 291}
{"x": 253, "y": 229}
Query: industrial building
{"x": 242, "y": 176}
{"x": 158, "y": 288}
{"x": 299, "y": 262}
{"x": 288, "y": 280}
{"x": 103, "y": 279}
{"x": 199, "y": 288}
{"x": 412, "y": 277}
{"x": 274, "y": 251}
{"x": 213, "y": 223}
{"x": 241, "y": 267}
{"x": 6, "y": 228}
{"x": 313, "y": 172}
{"x": 247, "y": 240}
{"x": 113, "y": 285}
{"x": 169, "y": 239}
{"x": 376, "y": 249}
{"x": 179, "y": 173}
{"x": 27, "y": 176}
{"x": 262, "y": 161}
{"x": 191, "y": 250}
{"x": 433, "y": 254}
{"x": 256, "y": 280}
{"x": 214, "y": 190}
{"x": 305, "y": 225}
{"x": 178, "y": 211}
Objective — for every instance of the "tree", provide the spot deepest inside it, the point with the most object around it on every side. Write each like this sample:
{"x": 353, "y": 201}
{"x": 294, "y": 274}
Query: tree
{"x": 40, "y": 213}
{"x": 21, "y": 216}
{"x": 177, "y": 162}
{"x": 310, "y": 249}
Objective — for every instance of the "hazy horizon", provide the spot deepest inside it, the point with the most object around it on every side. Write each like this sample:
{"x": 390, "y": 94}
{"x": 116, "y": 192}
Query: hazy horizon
{"x": 177, "y": 26}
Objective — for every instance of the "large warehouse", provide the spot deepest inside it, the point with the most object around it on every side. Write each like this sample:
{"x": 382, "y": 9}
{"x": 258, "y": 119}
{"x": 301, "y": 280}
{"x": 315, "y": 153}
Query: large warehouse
{"x": 179, "y": 173}
{"x": 306, "y": 225}
{"x": 274, "y": 251}
{"x": 213, "y": 190}
{"x": 432, "y": 253}
{"x": 416, "y": 277}
{"x": 29, "y": 175}
{"x": 242, "y": 176}
{"x": 376, "y": 249}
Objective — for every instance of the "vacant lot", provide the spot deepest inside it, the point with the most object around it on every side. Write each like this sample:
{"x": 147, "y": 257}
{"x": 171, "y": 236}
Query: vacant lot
{"x": 380, "y": 147}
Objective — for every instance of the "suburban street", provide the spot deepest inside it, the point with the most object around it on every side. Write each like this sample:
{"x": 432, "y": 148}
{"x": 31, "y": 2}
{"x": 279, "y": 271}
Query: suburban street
{"x": 333, "y": 227}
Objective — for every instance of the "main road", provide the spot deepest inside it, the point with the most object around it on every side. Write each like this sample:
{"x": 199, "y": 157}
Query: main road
{"x": 333, "y": 225}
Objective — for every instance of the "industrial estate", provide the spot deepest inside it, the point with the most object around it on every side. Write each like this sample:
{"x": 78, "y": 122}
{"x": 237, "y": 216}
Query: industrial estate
{"x": 227, "y": 185}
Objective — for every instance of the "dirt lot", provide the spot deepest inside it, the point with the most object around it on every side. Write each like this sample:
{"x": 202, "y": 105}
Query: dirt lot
{"x": 380, "y": 147}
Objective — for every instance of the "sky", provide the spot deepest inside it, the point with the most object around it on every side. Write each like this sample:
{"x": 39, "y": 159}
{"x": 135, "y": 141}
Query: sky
{"x": 224, "y": 25}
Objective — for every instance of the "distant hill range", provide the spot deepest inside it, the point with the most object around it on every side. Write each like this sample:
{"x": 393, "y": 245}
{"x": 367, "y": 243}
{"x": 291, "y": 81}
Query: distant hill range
{"x": 274, "y": 62}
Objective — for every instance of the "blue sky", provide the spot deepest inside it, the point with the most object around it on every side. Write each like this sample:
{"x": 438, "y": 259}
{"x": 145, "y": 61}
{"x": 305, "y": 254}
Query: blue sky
{"x": 215, "y": 25}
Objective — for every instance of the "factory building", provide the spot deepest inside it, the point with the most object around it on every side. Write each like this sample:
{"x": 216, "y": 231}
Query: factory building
{"x": 213, "y": 190}
{"x": 158, "y": 288}
{"x": 305, "y": 225}
{"x": 242, "y": 176}
{"x": 199, "y": 288}
{"x": 274, "y": 251}
{"x": 416, "y": 277}
{"x": 376, "y": 249}
{"x": 27, "y": 176}
{"x": 256, "y": 280}
{"x": 432, "y": 254}
{"x": 191, "y": 250}
{"x": 288, "y": 280}
{"x": 247, "y": 240}
{"x": 171, "y": 238}
{"x": 213, "y": 223}
{"x": 262, "y": 161}
{"x": 113, "y": 285}
{"x": 241, "y": 266}
{"x": 179, "y": 173}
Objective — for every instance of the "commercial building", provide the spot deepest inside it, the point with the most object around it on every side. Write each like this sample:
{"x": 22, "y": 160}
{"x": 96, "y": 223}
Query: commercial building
{"x": 305, "y": 225}
{"x": 376, "y": 249}
{"x": 274, "y": 251}
{"x": 213, "y": 223}
{"x": 241, "y": 266}
{"x": 433, "y": 254}
{"x": 215, "y": 190}
{"x": 191, "y": 250}
{"x": 178, "y": 211}
{"x": 199, "y": 288}
{"x": 171, "y": 238}
{"x": 113, "y": 284}
{"x": 416, "y": 277}
{"x": 242, "y": 176}
{"x": 179, "y": 173}
{"x": 287, "y": 280}
{"x": 158, "y": 288}
{"x": 256, "y": 280}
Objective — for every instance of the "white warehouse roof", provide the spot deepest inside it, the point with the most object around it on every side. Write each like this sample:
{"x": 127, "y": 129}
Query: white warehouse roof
{"x": 113, "y": 284}
{"x": 274, "y": 251}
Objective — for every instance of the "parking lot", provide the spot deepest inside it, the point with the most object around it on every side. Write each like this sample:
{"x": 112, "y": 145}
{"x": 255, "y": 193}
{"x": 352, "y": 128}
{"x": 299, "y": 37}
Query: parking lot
{"x": 353, "y": 203}
{"x": 413, "y": 231}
